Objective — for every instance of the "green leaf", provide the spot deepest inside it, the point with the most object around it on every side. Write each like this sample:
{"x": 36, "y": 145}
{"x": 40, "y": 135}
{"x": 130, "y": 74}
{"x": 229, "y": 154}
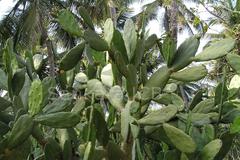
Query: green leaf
{"x": 130, "y": 38}
{"x": 210, "y": 150}
{"x": 125, "y": 121}
{"x": 231, "y": 115}
{"x": 237, "y": 5}
{"x": 49, "y": 86}
{"x": 170, "y": 88}
{"x": 86, "y": 17}
{"x": 156, "y": 83}
{"x": 151, "y": 41}
{"x": 58, "y": 105}
{"x": 216, "y": 50}
{"x": 71, "y": 59}
{"x": 96, "y": 57}
{"x": 189, "y": 74}
{"x": 139, "y": 53}
{"x": 197, "y": 119}
{"x": 204, "y": 106}
{"x": 114, "y": 151}
{"x": 221, "y": 93}
{"x": 169, "y": 48}
{"x": 131, "y": 80}
{"x": 68, "y": 22}
{"x": 115, "y": 97}
{"x": 135, "y": 130}
{"x": 227, "y": 141}
{"x": 235, "y": 82}
{"x": 89, "y": 151}
{"x": 170, "y": 98}
{"x": 20, "y": 152}
{"x": 81, "y": 77}
{"x": 102, "y": 133}
{"x": 143, "y": 74}
{"x": 209, "y": 132}
{"x": 59, "y": 119}
{"x": 35, "y": 97}
{"x": 159, "y": 116}
{"x": 180, "y": 140}
{"x": 22, "y": 129}
{"x": 120, "y": 63}
{"x": 7, "y": 56}
{"x": 3, "y": 80}
{"x": 4, "y": 104}
{"x": 37, "y": 61}
{"x": 4, "y": 128}
{"x": 107, "y": 75}
{"x": 24, "y": 94}
{"x": 185, "y": 52}
{"x": 18, "y": 81}
{"x": 79, "y": 105}
{"x": 118, "y": 44}
{"x": 235, "y": 126}
{"x": 95, "y": 41}
{"x": 108, "y": 31}
{"x": 196, "y": 99}
{"x": 10, "y": 64}
{"x": 95, "y": 87}
{"x": 65, "y": 141}
{"x": 233, "y": 60}
{"x": 52, "y": 150}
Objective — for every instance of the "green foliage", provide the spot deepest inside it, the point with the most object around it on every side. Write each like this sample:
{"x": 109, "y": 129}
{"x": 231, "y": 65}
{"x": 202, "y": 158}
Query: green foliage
{"x": 21, "y": 130}
{"x": 85, "y": 16}
{"x": 235, "y": 127}
{"x": 18, "y": 81}
{"x": 169, "y": 50}
{"x": 108, "y": 31}
{"x": 68, "y": 22}
{"x": 59, "y": 119}
{"x": 216, "y": 50}
{"x": 210, "y": 150}
{"x": 180, "y": 140}
{"x": 185, "y": 53}
{"x": 233, "y": 61}
{"x": 71, "y": 59}
{"x": 35, "y": 97}
{"x": 100, "y": 102}
{"x": 130, "y": 38}
{"x": 189, "y": 74}
{"x": 95, "y": 41}
{"x": 160, "y": 116}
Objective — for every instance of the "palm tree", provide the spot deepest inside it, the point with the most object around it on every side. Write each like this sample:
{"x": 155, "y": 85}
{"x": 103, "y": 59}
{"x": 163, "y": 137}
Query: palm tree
{"x": 28, "y": 24}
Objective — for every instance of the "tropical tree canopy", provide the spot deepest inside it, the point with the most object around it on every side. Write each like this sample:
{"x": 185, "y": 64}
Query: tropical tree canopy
{"x": 88, "y": 80}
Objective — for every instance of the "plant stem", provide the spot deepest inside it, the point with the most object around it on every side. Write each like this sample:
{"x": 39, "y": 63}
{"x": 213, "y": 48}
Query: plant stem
{"x": 221, "y": 100}
{"x": 90, "y": 119}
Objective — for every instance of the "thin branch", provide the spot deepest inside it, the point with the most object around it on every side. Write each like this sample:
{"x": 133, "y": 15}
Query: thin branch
{"x": 212, "y": 13}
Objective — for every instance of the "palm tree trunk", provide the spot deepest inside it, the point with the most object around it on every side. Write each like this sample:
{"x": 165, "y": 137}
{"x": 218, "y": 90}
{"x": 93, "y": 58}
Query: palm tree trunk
{"x": 173, "y": 24}
{"x": 49, "y": 48}
{"x": 50, "y": 57}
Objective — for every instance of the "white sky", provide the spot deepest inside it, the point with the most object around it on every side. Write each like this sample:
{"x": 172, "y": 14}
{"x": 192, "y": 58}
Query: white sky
{"x": 5, "y": 6}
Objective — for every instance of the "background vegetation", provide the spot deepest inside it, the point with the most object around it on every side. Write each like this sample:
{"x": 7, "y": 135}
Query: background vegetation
{"x": 85, "y": 80}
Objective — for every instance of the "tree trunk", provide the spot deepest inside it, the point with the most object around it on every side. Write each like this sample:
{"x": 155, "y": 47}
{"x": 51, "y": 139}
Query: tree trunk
{"x": 49, "y": 48}
{"x": 50, "y": 57}
{"x": 173, "y": 24}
